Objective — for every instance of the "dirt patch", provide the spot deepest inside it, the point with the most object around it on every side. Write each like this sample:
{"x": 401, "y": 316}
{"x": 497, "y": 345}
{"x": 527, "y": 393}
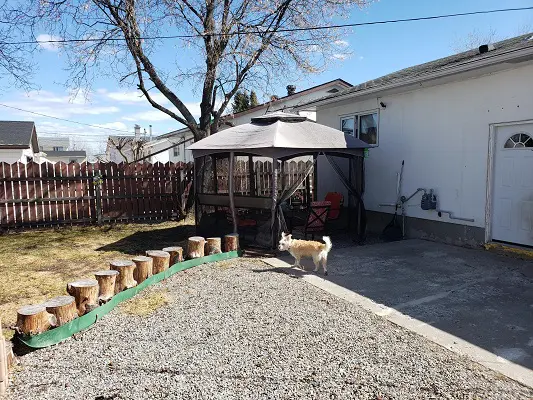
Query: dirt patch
{"x": 38, "y": 264}
{"x": 147, "y": 304}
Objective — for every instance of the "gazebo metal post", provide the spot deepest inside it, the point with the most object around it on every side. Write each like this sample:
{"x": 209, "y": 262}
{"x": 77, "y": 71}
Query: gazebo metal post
{"x": 230, "y": 189}
{"x": 274, "y": 200}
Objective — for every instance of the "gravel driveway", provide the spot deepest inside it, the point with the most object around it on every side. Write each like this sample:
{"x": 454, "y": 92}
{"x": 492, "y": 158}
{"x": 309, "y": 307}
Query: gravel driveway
{"x": 238, "y": 330}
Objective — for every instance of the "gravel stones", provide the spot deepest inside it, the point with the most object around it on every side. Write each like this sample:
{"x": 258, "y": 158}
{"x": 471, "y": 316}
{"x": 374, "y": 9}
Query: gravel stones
{"x": 239, "y": 330}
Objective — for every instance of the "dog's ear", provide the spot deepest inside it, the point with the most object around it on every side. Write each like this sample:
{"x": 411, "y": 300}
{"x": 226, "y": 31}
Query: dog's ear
{"x": 283, "y": 234}
{"x": 290, "y": 237}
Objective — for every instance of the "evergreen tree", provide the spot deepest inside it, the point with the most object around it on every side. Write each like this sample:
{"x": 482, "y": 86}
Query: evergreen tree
{"x": 241, "y": 102}
{"x": 253, "y": 99}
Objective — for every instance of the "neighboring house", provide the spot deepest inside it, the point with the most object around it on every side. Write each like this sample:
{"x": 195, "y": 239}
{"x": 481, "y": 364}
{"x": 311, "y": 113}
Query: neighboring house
{"x": 18, "y": 142}
{"x": 55, "y": 149}
{"x": 47, "y": 144}
{"x": 66, "y": 156}
{"x": 464, "y": 126}
{"x": 126, "y": 148}
{"x": 179, "y": 153}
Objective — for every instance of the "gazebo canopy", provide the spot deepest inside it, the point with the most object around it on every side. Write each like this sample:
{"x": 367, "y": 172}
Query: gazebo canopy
{"x": 279, "y": 135}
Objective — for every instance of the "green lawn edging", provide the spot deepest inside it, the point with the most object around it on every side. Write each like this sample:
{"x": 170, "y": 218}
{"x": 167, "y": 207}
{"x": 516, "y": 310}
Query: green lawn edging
{"x": 57, "y": 335}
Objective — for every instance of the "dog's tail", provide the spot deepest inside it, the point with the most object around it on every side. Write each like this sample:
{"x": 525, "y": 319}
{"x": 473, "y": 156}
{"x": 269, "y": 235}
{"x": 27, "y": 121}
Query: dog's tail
{"x": 329, "y": 245}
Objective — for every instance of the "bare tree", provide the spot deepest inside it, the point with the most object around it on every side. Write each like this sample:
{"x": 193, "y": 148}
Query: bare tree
{"x": 477, "y": 37}
{"x": 15, "y": 59}
{"x": 131, "y": 149}
{"x": 230, "y": 42}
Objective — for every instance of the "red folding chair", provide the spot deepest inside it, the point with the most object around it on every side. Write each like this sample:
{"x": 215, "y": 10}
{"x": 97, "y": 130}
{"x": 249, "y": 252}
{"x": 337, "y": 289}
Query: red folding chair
{"x": 336, "y": 200}
{"x": 316, "y": 218}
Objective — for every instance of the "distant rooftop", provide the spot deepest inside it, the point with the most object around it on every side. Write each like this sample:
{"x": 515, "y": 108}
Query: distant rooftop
{"x": 17, "y": 134}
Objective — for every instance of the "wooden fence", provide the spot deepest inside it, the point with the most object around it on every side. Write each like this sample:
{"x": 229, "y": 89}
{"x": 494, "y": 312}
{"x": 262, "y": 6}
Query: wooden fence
{"x": 53, "y": 194}
{"x": 292, "y": 171}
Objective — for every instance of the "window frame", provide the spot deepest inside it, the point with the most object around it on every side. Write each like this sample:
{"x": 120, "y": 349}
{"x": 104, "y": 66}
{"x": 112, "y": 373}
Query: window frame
{"x": 176, "y": 150}
{"x": 357, "y": 122}
{"x": 510, "y": 137}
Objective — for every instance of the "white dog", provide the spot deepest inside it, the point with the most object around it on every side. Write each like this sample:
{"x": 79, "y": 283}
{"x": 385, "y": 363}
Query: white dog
{"x": 307, "y": 248}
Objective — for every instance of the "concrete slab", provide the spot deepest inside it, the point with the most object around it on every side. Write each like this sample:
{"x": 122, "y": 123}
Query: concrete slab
{"x": 474, "y": 302}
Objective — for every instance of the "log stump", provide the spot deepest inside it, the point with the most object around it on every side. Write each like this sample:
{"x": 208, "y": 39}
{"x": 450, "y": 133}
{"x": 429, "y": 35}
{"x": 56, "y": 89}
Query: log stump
{"x": 160, "y": 259}
{"x": 213, "y": 245}
{"x": 124, "y": 279}
{"x": 231, "y": 242}
{"x": 143, "y": 268}
{"x": 176, "y": 254}
{"x": 85, "y": 291}
{"x": 63, "y": 310}
{"x": 107, "y": 280}
{"x": 195, "y": 247}
{"x": 32, "y": 320}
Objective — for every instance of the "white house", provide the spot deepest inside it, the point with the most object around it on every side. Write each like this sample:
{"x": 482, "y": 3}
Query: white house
{"x": 464, "y": 127}
{"x": 18, "y": 142}
{"x": 55, "y": 149}
{"x": 288, "y": 102}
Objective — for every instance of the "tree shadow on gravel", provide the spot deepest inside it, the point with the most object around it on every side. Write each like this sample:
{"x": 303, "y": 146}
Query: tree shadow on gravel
{"x": 139, "y": 242}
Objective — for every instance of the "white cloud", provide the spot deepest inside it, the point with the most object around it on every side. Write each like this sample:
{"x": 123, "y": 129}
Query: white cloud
{"x": 341, "y": 43}
{"x": 43, "y": 37}
{"x": 135, "y": 97}
{"x": 340, "y": 56}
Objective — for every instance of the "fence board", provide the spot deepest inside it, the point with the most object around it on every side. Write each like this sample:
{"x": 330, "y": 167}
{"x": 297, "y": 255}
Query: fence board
{"x": 4, "y": 221}
{"x": 148, "y": 186}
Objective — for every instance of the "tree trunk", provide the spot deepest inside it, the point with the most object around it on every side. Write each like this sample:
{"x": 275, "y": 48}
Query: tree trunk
{"x": 195, "y": 247}
{"x": 85, "y": 291}
{"x": 106, "y": 281}
{"x": 143, "y": 268}
{"x": 63, "y": 309}
{"x": 124, "y": 279}
{"x": 231, "y": 242}
{"x": 32, "y": 320}
{"x": 176, "y": 254}
{"x": 161, "y": 260}
{"x": 213, "y": 246}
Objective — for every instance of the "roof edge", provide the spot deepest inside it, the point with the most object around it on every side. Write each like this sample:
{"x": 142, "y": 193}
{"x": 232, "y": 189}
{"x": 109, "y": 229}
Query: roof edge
{"x": 453, "y": 70}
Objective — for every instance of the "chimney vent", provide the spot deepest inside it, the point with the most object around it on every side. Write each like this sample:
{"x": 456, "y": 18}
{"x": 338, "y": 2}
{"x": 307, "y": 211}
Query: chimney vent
{"x": 291, "y": 89}
{"x": 485, "y": 48}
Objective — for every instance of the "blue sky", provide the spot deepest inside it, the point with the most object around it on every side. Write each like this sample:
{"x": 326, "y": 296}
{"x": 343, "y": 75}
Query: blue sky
{"x": 376, "y": 51}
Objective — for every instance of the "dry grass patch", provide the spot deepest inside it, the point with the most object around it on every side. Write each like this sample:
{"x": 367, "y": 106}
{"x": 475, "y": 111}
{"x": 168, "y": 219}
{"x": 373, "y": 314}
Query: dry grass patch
{"x": 146, "y": 305}
{"x": 36, "y": 265}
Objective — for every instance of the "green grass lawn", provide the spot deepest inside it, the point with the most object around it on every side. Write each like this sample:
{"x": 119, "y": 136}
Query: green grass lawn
{"x": 36, "y": 265}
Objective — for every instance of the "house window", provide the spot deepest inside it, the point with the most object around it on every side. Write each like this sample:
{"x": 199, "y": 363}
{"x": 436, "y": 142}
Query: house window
{"x": 368, "y": 128}
{"x": 58, "y": 148}
{"x": 519, "y": 141}
{"x": 176, "y": 151}
{"x": 348, "y": 125}
{"x": 362, "y": 126}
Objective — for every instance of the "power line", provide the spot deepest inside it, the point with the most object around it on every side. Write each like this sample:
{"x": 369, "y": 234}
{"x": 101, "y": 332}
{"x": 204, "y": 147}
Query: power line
{"x": 313, "y": 28}
{"x": 63, "y": 119}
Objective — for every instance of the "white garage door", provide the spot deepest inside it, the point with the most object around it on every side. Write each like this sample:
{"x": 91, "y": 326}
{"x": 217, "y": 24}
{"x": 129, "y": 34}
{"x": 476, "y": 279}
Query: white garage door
{"x": 512, "y": 216}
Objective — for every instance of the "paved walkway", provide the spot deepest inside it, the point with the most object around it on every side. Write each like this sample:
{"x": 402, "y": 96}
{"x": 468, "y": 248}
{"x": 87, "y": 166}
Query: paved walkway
{"x": 475, "y": 301}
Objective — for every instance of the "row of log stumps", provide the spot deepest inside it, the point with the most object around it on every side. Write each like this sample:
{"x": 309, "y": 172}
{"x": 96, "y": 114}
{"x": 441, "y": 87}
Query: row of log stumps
{"x": 85, "y": 295}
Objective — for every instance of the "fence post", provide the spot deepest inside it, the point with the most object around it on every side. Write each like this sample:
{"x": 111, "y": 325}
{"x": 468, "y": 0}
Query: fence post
{"x": 97, "y": 181}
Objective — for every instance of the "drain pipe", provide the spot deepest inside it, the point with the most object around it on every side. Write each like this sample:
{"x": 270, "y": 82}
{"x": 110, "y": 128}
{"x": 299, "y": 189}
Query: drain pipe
{"x": 451, "y": 216}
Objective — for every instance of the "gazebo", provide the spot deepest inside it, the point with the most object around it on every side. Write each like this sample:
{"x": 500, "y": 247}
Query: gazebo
{"x": 278, "y": 136}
